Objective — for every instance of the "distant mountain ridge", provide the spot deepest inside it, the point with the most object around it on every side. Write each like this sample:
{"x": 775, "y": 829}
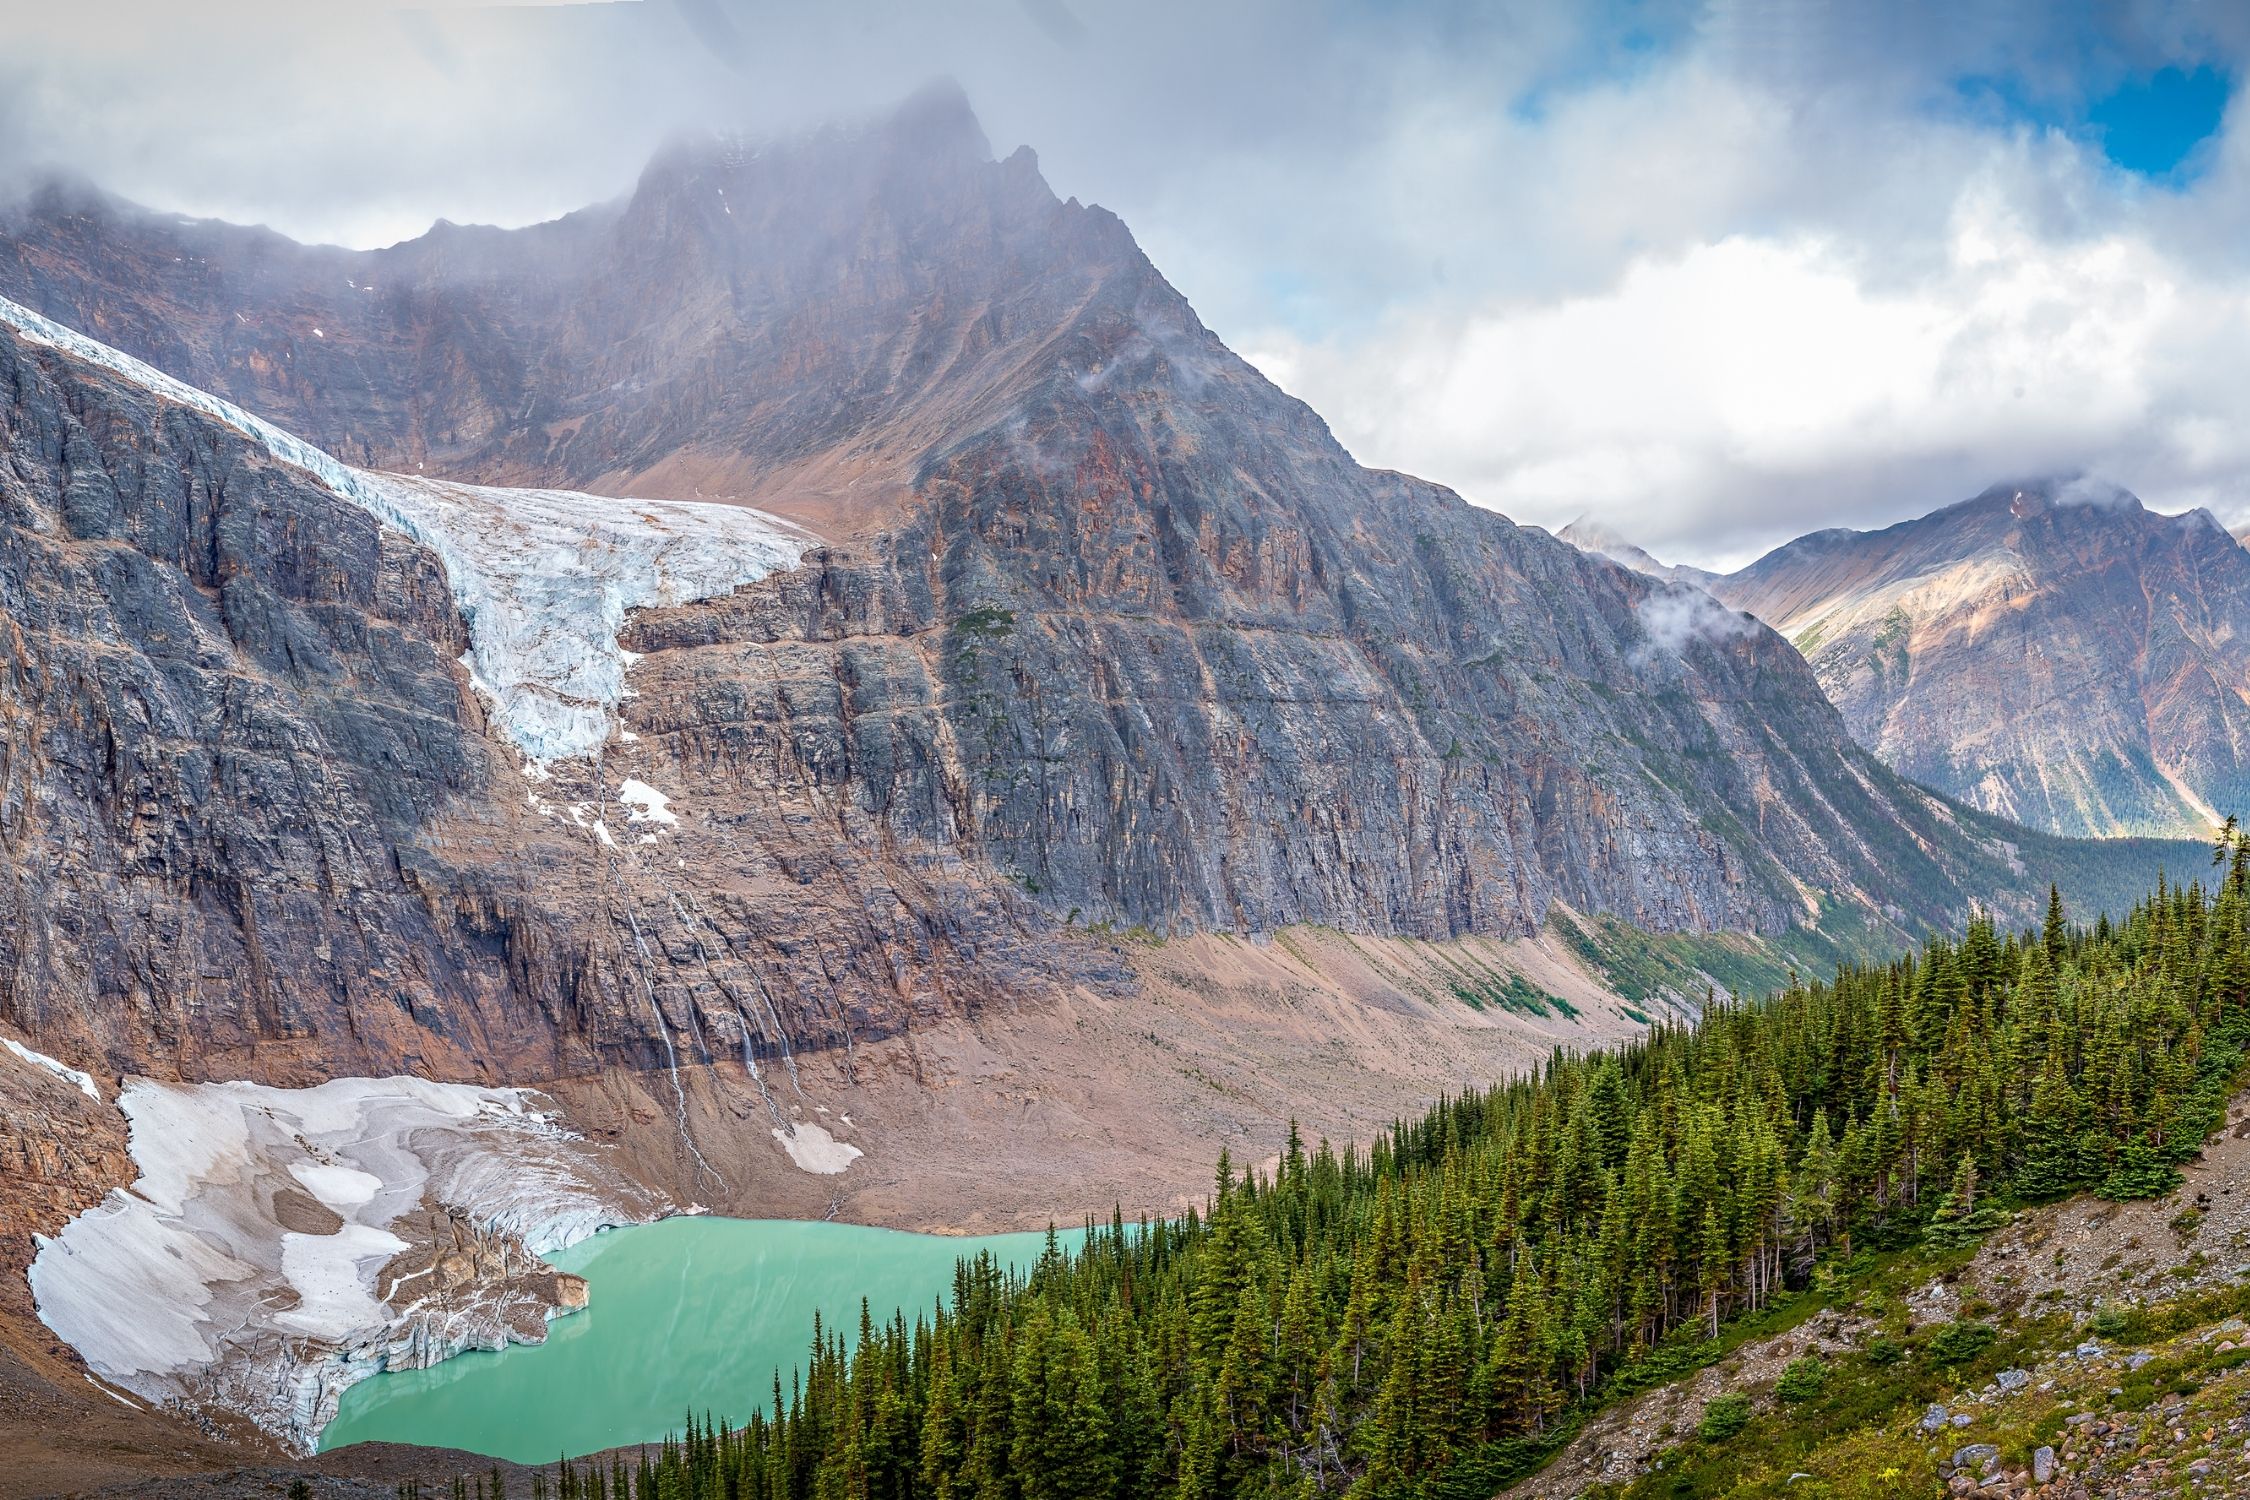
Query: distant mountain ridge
{"x": 1589, "y": 535}
{"x": 2049, "y": 650}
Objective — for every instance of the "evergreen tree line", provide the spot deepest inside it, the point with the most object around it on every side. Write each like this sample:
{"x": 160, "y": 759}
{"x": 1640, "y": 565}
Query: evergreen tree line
{"x": 1413, "y": 1319}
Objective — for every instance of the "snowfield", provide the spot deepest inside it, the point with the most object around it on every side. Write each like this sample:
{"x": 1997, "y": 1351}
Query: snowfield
{"x": 814, "y": 1150}
{"x": 544, "y": 578}
{"x": 175, "y": 1287}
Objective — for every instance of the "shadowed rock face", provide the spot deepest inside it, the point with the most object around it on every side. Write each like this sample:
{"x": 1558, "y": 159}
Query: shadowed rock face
{"x": 2060, "y": 657}
{"x": 1121, "y": 635}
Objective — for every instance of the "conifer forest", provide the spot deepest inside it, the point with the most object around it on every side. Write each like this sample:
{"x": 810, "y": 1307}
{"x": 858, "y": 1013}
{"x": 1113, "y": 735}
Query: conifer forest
{"x": 1415, "y": 1318}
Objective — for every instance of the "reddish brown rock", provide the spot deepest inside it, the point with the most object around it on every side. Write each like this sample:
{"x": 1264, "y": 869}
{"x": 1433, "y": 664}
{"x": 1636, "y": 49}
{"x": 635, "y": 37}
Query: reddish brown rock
{"x": 2052, "y": 652}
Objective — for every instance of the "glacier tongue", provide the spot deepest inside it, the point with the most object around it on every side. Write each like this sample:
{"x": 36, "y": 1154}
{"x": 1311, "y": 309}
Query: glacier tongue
{"x": 543, "y": 577}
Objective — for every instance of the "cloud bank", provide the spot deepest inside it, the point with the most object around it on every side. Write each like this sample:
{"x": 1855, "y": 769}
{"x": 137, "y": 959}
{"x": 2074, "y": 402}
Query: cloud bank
{"x": 1715, "y": 273}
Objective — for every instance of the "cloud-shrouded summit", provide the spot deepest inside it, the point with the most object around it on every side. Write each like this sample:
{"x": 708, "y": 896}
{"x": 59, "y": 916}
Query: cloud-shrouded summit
{"x": 1713, "y": 273}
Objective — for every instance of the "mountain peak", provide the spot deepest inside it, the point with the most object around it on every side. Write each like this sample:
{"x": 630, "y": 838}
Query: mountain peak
{"x": 1590, "y": 535}
{"x": 938, "y": 117}
{"x": 2039, "y": 495}
{"x": 932, "y": 137}
{"x": 1965, "y": 627}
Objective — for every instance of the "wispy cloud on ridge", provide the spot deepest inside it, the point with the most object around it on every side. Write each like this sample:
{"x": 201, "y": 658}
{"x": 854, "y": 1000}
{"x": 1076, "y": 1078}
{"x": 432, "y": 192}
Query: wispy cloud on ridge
{"x": 1718, "y": 272}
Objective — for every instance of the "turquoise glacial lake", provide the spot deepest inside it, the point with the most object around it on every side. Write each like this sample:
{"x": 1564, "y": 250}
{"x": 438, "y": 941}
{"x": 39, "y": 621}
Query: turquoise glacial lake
{"x": 688, "y": 1314}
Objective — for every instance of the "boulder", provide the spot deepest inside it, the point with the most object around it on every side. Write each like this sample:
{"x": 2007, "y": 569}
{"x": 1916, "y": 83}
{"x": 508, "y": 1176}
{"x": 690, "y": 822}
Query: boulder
{"x": 1977, "y": 1456}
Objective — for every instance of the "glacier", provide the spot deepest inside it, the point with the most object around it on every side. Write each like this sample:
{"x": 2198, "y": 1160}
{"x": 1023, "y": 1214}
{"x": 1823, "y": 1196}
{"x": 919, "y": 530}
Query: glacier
{"x": 543, "y": 578}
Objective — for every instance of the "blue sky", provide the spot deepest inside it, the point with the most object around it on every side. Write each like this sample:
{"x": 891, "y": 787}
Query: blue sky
{"x": 2152, "y": 125}
{"x": 2149, "y": 124}
{"x": 1715, "y": 271}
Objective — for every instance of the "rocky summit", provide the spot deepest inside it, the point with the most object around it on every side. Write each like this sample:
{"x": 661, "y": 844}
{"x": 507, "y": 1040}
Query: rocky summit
{"x": 2051, "y": 651}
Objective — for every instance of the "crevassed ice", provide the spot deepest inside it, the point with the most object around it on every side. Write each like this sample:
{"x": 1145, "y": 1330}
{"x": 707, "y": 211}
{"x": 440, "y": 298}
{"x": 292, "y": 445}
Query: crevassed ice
{"x": 543, "y": 578}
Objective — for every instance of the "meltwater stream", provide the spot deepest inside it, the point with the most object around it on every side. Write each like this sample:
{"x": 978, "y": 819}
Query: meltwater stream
{"x": 688, "y": 1314}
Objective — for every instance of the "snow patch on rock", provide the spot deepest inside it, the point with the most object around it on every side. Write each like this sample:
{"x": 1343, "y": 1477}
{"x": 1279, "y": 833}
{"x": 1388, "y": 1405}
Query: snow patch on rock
{"x": 814, "y": 1150}
{"x": 544, "y": 578}
{"x": 645, "y": 804}
{"x": 83, "y": 1081}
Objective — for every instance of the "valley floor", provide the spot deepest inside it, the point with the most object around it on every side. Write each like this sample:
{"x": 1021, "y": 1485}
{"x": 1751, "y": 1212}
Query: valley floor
{"x": 1008, "y": 1120}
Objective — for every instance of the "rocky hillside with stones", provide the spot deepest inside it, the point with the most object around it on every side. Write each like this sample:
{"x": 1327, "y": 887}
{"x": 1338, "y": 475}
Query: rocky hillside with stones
{"x": 2052, "y": 652}
{"x": 2087, "y": 1350}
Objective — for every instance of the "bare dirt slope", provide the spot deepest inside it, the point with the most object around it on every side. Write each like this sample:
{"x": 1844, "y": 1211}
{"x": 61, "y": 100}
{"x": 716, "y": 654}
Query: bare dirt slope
{"x": 1027, "y": 1116}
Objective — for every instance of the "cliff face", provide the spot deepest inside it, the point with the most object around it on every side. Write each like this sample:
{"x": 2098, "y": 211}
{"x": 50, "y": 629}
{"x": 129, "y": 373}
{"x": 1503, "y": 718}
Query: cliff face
{"x": 256, "y": 824}
{"x": 1199, "y": 669}
{"x": 226, "y": 703}
{"x": 2069, "y": 660}
{"x": 1115, "y": 633}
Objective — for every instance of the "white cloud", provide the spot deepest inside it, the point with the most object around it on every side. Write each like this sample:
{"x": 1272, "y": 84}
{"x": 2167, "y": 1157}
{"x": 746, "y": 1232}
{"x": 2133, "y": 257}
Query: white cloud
{"x": 1766, "y": 273}
{"x": 2015, "y": 307}
{"x": 1674, "y": 617}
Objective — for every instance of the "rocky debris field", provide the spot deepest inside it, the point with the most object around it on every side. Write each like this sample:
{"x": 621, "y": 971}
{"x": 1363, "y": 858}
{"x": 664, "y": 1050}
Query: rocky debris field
{"x": 2180, "y": 1443}
{"x": 2082, "y": 1254}
{"x": 1624, "y": 1442}
{"x": 2170, "y": 1418}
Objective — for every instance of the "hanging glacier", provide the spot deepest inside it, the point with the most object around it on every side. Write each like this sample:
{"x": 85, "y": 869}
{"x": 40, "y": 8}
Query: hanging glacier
{"x": 543, "y": 578}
